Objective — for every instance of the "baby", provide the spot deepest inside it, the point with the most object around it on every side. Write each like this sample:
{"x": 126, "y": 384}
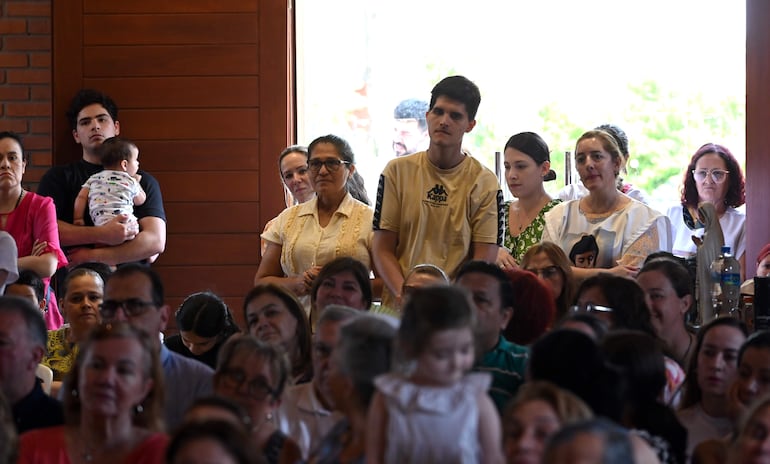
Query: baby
{"x": 116, "y": 189}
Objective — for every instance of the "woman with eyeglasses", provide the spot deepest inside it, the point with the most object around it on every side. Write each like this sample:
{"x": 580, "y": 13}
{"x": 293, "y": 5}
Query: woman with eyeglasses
{"x": 625, "y": 230}
{"x": 254, "y": 374}
{"x": 620, "y": 302}
{"x": 333, "y": 223}
{"x": 549, "y": 263}
{"x": 204, "y": 322}
{"x": 713, "y": 176}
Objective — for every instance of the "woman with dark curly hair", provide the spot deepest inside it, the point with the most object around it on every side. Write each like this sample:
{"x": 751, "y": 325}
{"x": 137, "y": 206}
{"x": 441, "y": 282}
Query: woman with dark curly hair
{"x": 713, "y": 176}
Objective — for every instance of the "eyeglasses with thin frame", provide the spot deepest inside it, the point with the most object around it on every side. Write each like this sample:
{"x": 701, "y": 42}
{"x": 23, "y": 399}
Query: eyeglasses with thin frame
{"x": 332, "y": 165}
{"x": 590, "y": 308}
{"x": 717, "y": 175}
{"x": 256, "y": 387}
{"x": 546, "y": 272}
{"x": 132, "y": 307}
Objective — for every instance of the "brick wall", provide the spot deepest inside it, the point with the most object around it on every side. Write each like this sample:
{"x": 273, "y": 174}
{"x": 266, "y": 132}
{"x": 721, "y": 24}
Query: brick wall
{"x": 25, "y": 79}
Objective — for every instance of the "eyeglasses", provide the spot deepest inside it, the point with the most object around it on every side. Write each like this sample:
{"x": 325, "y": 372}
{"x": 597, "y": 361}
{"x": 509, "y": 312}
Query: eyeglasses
{"x": 717, "y": 175}
{"x": 546, "y": 272}
{"x": 257, "y": 387}
{"x": 132, "y": 307}
{"x": 590, "y": 308}
{"x": 332, "y": 165}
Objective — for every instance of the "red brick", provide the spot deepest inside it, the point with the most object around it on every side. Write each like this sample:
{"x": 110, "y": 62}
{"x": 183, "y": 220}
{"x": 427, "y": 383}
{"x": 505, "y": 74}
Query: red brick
{"x": 28, "y": 76}
{"x": 33, "y": 175}
{"x": 13, "y": 60}
{"x": 13, "y": 26}
{"x": 37, "y": 142}
{"x": 14, "y": 92}
{"x": 41, "y": 159}
{"x": 40, "y": 92}
{"x": 39, "y": 8}
{"x": 13, "y": 124}
{"x": 40, "y": 126}
{"x": 28, "y": 109}
{"x": 28, "y": 42}
{"x": 2, "y": 76}
{"x": 39, "y": 26}
{"x": 1, "y": 110}
{"x": 40, "y": 60}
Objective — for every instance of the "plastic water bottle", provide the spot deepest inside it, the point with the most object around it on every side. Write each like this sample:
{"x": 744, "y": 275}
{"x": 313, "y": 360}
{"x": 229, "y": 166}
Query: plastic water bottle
{"x": 730, "y": 282}
{"x": 726, "y": 284}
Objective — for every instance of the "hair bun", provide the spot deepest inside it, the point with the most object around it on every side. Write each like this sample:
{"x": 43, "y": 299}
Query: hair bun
{"x": 550, "y": 176}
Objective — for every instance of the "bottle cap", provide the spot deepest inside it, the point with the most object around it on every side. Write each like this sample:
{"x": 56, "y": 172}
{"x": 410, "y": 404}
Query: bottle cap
{"x": 725, "y": 249}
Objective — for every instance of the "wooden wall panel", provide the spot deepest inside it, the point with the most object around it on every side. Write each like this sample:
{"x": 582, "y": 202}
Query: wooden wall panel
{"x": 224, "y": 186}
{"x": 173, "y": 6}
{"x": 212, "y": 218}
{"x": 187, "y": 75}
{"x": 214, "y": 249}
{"x": 154, "y": 29}
{"x": 181, "y": 92}
{"x": 170, "y": 60}
{"x": 757, "y": 123}
{"x": 199, "y": 155}
{"x": 186, "y": 124}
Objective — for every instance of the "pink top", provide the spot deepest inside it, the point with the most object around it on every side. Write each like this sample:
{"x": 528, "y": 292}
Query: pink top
{"x": 35, "y": 219}
{"x": 48, "y": 446}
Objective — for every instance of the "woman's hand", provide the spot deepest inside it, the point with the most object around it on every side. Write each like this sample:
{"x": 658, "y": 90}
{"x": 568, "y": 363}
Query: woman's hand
{"x": 309, "y": 276}
{"x": 39, "y": 248}
{"x": 624, "y": 270}
{"x": 505, "y": 260}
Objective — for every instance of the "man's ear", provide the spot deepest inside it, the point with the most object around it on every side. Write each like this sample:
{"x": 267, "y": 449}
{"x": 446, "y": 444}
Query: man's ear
{"x": 471, "y": 125}
{"x": 505, "y": 317}
{"x": 117, "y": 128}
{"x": 75, "y": 136}
{"x": 164, "y": 312}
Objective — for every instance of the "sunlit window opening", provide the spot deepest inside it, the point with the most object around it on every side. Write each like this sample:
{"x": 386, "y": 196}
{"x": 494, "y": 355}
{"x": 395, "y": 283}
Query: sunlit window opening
{"x": 670, "y": 73}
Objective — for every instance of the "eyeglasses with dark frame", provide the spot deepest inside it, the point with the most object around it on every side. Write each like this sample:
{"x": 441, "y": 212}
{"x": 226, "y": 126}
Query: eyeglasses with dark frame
{"x": 717, "y": 175}
{"x": 546, "y": 272}
{"x": 332, "y": 165}
{"x": 590, "y": 308}
{"x": 132, "y": 307}
{"x": 256, "y": 387}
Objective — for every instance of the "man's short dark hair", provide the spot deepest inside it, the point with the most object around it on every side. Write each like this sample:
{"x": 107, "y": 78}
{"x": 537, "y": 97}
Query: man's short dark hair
{"x": 86, "y": 97}
{"x": 31, "y": 279}
{"x": 128, "y": 270}
{"x": 584, "y": 245}
{"x": 412, "y": 108}
{"x": 458, "y": 88}
{"x": 33, "y": 318}
{"x": 482, "y": 267}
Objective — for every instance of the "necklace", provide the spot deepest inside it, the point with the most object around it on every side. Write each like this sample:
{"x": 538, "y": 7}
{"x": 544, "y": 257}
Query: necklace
{"x": 18, "y": 200}
{"x": 689, "y": 345}
{"x": 527, "y": 218}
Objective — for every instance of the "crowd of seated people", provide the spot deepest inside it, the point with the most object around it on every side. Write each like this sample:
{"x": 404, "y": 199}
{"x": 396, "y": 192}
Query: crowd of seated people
{"x": 440, "y": 325}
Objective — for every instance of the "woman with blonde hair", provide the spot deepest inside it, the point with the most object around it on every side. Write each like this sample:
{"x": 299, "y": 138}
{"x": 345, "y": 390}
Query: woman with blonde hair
{"x": 538, "y": 411}
{"x": 112, "y": 403}
{"x": 549, "y": 262}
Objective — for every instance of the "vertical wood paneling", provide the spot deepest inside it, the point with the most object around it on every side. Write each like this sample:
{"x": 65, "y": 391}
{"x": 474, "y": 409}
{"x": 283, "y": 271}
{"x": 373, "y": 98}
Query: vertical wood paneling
{"x": 757, "y": 133}
{"x": 189, "y": 79}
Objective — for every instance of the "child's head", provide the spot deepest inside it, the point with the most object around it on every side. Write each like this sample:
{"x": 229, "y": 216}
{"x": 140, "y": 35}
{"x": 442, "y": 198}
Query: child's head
{"x": 29, "y": 285}
{"x": 120, "y": 155}
{"x": 436, "y": 331}
{"x": 583, "y": 253}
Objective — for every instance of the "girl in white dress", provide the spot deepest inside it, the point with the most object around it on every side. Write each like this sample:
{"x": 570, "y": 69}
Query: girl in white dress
{"x": 438, "y": 412}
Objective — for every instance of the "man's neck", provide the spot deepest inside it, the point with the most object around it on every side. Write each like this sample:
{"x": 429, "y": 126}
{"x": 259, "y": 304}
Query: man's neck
{"x": 92, "y": 158}
{"x": 19, "y": 392}
{"x": 445, "y": 157}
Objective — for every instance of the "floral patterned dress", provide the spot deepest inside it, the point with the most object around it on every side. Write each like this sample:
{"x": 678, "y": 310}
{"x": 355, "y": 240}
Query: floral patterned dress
{"x": 530, "y": 235}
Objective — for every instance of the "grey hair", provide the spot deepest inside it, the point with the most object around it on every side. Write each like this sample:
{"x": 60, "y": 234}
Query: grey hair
{"x": 33, "y": 318}
{"x": 365, "y": 350}
{"x": 617, "y": 443}
{"x": 337, "y": 313}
